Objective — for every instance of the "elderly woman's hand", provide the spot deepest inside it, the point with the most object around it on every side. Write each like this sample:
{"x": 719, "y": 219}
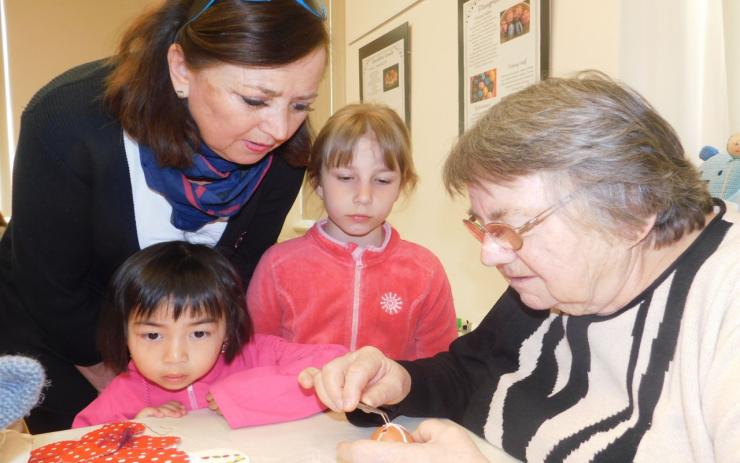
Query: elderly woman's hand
{"x": 363, "y": 375}
{"x": 437, "y": 441}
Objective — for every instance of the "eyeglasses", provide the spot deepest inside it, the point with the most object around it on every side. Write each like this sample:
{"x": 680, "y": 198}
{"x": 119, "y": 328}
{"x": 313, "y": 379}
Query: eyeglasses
{"x": 505, "y": 235}
{"x": 320, "y": 13}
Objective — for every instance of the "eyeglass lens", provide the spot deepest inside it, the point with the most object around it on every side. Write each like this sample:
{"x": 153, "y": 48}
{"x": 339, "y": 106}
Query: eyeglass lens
{"x": 502, "y": 234}
{"x": 474, "y": 229}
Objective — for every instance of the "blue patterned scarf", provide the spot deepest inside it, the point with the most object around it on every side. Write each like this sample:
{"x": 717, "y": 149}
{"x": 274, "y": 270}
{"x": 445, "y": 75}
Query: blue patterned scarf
{"x": 209, "y": 189}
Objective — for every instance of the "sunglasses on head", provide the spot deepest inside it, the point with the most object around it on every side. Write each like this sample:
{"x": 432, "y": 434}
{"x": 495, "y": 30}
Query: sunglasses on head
{"x": 206, "y": 4}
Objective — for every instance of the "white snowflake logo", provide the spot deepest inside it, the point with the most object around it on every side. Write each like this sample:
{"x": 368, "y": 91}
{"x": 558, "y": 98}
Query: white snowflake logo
{"x": 391, "y": 303}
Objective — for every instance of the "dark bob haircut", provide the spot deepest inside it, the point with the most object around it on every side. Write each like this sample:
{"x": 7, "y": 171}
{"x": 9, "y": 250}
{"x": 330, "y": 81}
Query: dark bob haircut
{"x": 192, "y": 278}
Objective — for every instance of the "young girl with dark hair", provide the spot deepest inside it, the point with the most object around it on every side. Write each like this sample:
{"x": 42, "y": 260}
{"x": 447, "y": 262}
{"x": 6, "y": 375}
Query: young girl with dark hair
{"x": 176, "y": 330}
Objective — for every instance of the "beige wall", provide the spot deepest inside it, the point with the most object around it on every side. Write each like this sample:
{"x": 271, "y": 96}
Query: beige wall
{"x": 584, "y": 34}
{"x": 45, "y": 37}
{"x": 308, "y": 207}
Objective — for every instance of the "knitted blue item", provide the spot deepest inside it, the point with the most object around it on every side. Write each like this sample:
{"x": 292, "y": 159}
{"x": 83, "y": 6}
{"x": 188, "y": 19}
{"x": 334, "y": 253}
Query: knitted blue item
{"x": 721, "y": 171}
{"x": 21, "y": 380}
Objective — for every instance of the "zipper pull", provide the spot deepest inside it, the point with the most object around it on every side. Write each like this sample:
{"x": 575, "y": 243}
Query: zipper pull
{"x": 239, "y": 240}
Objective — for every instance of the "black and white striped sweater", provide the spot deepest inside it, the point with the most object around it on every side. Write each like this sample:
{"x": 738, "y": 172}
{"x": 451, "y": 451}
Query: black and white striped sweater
{"x": 652, "y": 382}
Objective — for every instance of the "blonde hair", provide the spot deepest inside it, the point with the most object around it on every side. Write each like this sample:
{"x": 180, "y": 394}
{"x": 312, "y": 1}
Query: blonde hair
{"x": 336, "y": 140}
{"x": 591, "y": 134}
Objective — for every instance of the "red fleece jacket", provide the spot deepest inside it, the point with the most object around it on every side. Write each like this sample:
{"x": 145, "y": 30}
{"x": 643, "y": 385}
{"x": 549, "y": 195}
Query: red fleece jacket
{"x": 315, "y": 289}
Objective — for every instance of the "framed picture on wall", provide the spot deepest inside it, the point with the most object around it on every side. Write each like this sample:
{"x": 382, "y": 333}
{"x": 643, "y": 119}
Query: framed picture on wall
{"x": 385, "y": 71}
{"x": 503, "y": 47}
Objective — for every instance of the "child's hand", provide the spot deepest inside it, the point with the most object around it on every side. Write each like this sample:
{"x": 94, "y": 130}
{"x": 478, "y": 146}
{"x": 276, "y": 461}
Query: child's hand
{"x": 171, "y": 409}
{"x": 212, "y": 403}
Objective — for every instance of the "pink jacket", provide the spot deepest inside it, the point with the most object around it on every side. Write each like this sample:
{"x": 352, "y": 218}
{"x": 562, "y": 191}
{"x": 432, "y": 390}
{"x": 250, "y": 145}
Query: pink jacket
{"x": 315, "y": 289}
{"x": 259, "y": 386}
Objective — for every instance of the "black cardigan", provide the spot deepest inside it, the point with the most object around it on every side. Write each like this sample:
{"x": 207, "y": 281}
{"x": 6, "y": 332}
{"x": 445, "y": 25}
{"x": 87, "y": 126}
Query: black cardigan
{"x": 73, "y": 219}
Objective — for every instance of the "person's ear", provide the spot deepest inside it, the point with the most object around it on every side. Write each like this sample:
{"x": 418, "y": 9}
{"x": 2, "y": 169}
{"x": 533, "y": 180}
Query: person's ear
{"x": 179, "y": 72}
{"x": 642, "y": 232}
{"x": 319, "y": 192}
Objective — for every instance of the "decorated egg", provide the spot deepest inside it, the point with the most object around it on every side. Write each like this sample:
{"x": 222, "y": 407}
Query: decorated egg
{"x": 391, "y": 432}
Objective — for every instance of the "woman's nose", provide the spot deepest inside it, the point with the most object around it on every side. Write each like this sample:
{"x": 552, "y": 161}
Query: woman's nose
{"x": 276, "y": 124}
{"x": 493, "y": 254}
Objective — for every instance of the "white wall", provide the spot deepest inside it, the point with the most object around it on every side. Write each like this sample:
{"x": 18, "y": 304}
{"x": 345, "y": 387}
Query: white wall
{"x": 678, "y": 63}
{"x": 732, "y": 56}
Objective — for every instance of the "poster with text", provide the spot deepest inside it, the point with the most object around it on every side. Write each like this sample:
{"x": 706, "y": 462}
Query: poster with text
{"x": 503, "y": 48}
{"x": 385, "y": 71}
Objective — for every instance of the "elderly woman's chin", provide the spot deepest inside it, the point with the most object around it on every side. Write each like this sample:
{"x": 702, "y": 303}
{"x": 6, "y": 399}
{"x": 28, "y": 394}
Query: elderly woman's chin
{"x": 536, "y": 298}
{"x": 544, "y": 300}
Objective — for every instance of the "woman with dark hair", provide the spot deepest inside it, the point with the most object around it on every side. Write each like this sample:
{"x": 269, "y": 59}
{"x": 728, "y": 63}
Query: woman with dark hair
{"x": 617, "y": 339}
{"x": 195, "y": 130}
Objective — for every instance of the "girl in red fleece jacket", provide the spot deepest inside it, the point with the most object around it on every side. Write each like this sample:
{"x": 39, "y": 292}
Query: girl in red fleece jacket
{"x": 351, "y": 279}
{"x": 177, "y": 310}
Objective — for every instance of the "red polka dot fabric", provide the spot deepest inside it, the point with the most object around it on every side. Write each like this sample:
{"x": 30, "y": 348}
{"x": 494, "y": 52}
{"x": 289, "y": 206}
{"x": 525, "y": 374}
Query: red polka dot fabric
{"x": 113, "y": 443}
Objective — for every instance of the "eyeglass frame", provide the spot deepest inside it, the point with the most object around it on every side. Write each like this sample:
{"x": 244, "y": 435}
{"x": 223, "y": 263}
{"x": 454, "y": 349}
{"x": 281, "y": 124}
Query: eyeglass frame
{"x": 479, "y": 231}
{"x": 321, "y": 13}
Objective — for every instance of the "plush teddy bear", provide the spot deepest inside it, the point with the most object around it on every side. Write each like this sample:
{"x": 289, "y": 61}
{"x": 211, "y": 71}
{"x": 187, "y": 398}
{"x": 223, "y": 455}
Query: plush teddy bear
{"x": 721, "y": 171}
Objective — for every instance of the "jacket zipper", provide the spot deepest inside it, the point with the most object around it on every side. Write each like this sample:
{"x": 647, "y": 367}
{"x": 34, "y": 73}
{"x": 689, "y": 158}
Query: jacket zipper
{"x": 191, "y": 396}
{"x": 357, "y": 257}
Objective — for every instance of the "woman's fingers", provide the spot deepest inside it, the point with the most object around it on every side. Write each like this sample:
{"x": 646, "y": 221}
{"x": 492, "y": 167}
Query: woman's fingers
{"x": 365, "y": 374}
{"x": 340, "y": 382}
{"x": 306, "y": 378}
{"x": 449, "y": 439}
{"x": 327, "y": 395}
{"x": 437, "y": 441}
{"x": 367, "y": 451}
{"x": 390, "y": 385}
{"x": 432, "y": 429}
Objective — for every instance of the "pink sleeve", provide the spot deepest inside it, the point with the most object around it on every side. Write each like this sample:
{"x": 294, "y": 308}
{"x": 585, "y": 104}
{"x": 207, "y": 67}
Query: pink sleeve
{"x": 269, "y": 392}
{"x": 262, "y": 299}
{"x": 437, "y": 326}
{"x": 117, "y": 402}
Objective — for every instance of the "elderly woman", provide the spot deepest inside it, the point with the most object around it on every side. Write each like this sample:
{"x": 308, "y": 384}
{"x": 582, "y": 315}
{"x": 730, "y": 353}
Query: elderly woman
{"x": 617, "y": 339}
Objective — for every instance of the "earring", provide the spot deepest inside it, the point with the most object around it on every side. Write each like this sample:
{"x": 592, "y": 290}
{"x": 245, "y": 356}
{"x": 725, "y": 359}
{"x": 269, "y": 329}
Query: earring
{"x": 180, "y": 93}
{"x": 223, "y": 347}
